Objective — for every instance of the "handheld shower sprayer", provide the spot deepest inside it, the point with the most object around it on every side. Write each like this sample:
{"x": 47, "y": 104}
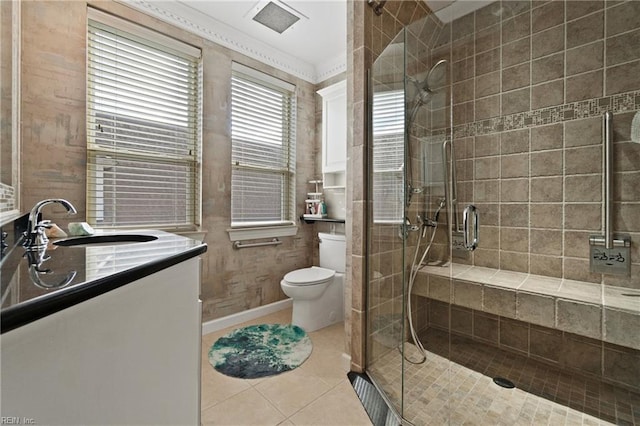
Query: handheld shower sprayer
{"x": 425, "y": 223}
{"x": 441, "y": 203}
{"x": 432, "y": 222}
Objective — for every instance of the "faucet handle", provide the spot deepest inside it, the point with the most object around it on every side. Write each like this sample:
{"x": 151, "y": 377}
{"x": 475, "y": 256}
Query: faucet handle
{"x": 44, "y": 224}
{"x": 37, "y": 239}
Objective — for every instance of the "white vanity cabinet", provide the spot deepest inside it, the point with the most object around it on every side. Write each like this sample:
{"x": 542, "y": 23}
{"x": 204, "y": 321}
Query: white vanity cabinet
{"x": 334, "y": 134}
{"x": 128, "y": 356}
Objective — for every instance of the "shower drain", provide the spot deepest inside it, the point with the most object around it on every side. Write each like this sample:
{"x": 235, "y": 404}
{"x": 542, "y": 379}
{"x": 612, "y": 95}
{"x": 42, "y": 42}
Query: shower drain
{"x": 505, "y": 383}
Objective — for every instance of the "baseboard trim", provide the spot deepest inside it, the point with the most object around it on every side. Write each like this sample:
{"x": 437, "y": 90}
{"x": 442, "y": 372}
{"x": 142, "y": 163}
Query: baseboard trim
{"x": 346, "y": 362}
{"x": 248, "y": 315}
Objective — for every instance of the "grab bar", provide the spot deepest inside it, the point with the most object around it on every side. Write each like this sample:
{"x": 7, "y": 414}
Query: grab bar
{"x": 471, "y": 209}
{"x": 238, "y": 244}
{"x": 609, "y": 253}
{"x": 608, "y": 178}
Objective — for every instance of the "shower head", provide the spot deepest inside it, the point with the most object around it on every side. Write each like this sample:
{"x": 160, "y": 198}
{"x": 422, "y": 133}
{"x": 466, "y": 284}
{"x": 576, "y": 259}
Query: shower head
{"x": 435, "y": 76}
{"x": 433, "y": 79}
{"x": 426, "y": 87}
{"x": 441, "y": 204}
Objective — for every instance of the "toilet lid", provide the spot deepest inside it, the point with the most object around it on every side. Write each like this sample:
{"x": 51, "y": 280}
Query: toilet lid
{"x": 309, "y": 276}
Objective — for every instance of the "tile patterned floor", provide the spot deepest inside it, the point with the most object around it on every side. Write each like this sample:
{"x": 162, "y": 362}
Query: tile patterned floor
{"x": 316, "y": 393}
{"x": 463, "y": 392}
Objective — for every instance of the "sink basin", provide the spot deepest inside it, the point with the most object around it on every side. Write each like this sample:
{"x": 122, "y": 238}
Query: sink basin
{"x": 109, "y": 240}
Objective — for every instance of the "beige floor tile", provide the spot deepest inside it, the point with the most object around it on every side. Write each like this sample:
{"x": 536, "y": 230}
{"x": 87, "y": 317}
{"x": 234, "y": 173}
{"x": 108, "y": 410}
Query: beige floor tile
{"x": 246, "y": 408}
{"x": 280, "y": 317}
{"x": 217, "y": 387}
{"x": 326, "y": 364}
{"x": 330, "y": 337}
{"x": 339, "y": 406}
{"x": 291, "y": 391}
{"x": 319, "y": 387}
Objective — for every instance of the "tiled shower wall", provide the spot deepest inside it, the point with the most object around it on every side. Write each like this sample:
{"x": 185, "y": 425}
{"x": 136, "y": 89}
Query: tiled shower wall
{"x": 530, "y": 82}
{"x": 590, "y": 357}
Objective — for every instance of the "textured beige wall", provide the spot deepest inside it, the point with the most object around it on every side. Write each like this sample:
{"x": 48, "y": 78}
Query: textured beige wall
{"x": 54, "y": 147}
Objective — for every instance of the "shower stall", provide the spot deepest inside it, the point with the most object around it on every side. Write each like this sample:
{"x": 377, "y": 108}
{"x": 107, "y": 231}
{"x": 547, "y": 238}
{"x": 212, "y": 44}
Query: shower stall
{"x": 486, "y": 303}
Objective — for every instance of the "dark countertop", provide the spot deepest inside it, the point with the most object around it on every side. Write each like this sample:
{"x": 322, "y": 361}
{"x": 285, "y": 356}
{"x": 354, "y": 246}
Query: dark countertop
{"x": 98, "y": 269}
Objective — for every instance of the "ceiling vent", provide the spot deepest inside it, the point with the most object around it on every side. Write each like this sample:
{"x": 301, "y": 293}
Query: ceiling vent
{"x": 277, "y": 16}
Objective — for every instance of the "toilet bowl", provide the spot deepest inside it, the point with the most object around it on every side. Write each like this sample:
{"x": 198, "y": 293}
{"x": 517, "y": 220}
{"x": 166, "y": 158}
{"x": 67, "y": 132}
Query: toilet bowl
{"x": 318, "y": 292}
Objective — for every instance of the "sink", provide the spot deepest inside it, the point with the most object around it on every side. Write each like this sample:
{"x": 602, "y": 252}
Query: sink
{"x": 109, "y": 240}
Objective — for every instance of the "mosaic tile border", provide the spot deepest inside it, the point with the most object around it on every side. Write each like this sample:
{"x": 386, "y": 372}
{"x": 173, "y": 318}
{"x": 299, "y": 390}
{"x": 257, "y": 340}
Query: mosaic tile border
{"x": 623, "y": 102}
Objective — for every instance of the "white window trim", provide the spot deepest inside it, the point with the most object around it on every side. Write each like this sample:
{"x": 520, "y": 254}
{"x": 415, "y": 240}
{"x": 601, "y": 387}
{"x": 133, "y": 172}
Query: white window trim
{"x": 180, "y": 48}
{"x": 140, "y": 31}
{"x": 260, "y": 76}
{"x": 248, "y": 231}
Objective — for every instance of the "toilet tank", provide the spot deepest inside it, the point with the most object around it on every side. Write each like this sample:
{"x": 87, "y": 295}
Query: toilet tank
{"x": 333, "y": 251}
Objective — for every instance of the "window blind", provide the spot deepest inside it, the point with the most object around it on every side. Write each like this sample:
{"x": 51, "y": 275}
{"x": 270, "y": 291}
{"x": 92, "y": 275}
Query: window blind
{"x": 388, "y": 156}
{"x": 263, "y": 149}
{"x": 143, "y": 129}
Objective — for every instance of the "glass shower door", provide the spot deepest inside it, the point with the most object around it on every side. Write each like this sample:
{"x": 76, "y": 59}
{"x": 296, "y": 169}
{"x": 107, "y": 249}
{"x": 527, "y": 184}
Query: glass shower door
{"x": 408, "y": 222}
{"x": 386, "y": 242}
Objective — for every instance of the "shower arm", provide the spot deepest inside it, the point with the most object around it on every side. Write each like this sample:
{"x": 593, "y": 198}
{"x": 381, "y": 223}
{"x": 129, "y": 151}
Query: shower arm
{"x": 377, "y": 5}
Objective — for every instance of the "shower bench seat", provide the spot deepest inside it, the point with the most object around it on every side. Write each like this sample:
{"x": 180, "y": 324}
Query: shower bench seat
{"x": 602, "y": 312}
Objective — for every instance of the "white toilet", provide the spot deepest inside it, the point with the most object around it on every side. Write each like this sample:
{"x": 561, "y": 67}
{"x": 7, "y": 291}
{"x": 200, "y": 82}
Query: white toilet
{"x": 318, "y": 292}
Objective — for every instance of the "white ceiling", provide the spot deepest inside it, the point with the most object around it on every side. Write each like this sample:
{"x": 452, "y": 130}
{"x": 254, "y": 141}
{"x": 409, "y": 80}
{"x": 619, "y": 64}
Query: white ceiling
{"x": 319, "y": 36}
{"x": 314, "y": 48}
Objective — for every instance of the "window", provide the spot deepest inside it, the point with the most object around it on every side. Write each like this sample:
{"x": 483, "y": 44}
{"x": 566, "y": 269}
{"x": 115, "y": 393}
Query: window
{"x": 388, "y": 157}
{"x": 143, "y": 127}
{"x": 263, "y": 149}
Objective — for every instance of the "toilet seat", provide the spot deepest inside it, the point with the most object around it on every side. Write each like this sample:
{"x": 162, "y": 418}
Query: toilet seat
{"x": 309, "y": 276}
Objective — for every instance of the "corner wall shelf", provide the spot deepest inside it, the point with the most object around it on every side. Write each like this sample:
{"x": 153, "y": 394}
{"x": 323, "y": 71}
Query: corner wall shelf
{"x": 320, "y": 219}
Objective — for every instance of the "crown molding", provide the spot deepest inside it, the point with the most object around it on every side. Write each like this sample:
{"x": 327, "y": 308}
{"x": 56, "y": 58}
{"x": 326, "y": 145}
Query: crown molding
{"x": 189, "y": 19}
{"x": 330, "y": 68}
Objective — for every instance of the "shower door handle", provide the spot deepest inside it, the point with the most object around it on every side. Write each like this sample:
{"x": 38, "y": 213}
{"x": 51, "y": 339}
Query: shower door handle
{"x": 470, "y": 244}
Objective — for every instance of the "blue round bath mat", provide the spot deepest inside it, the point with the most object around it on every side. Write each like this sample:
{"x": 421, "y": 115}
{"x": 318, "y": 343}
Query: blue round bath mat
{"x": 260, "y": 350}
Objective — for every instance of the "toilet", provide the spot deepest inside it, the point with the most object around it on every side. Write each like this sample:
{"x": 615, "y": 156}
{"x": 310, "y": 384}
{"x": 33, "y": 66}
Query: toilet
{"x": 318, "y": 291}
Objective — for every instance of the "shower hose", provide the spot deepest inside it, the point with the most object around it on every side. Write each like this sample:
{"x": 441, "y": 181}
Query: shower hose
{"x": 415, "y": 267}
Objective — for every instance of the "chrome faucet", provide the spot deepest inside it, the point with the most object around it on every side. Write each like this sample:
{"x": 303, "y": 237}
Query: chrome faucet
{"x": 35, "y": 237}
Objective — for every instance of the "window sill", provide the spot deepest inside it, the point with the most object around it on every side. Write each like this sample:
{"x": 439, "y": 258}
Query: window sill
{"x": 257, "y": 232}
{"x": 196, "y": 235}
